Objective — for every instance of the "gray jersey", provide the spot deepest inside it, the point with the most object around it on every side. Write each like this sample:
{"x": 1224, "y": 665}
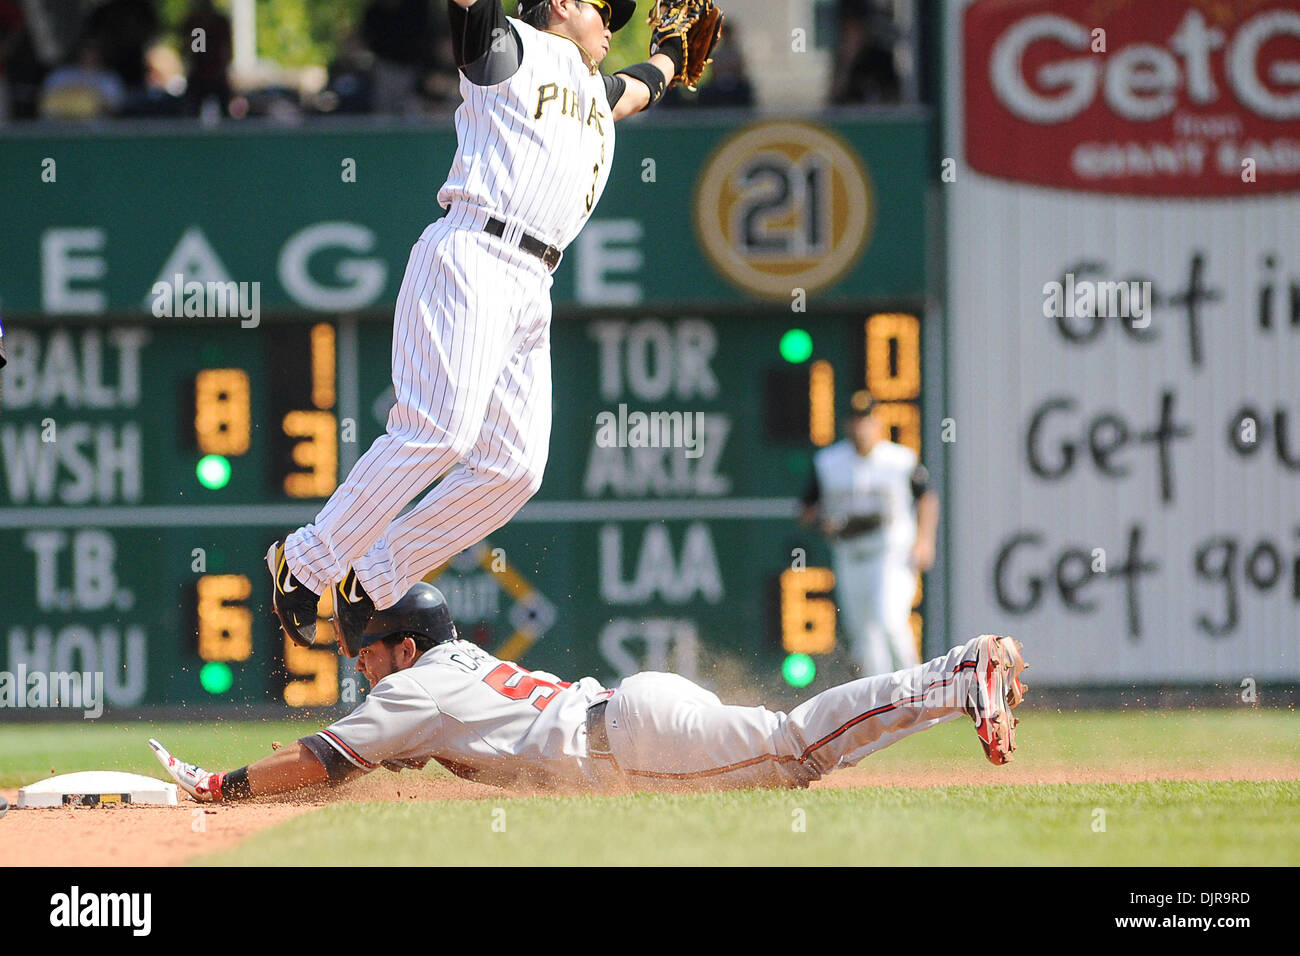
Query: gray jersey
{"x": 482, "y": 718}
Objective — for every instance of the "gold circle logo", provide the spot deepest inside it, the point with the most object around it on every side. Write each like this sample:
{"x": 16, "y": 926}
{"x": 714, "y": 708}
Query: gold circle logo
{"x": 784, "y": 205}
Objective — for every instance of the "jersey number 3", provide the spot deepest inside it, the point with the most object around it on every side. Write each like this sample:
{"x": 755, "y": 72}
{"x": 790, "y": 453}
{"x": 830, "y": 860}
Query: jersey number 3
{"x": 511, "y": 680}
{"x": 591, "y": 196}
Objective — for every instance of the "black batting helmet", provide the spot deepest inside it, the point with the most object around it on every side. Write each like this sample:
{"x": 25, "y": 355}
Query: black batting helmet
{"x": 422, "y": 610}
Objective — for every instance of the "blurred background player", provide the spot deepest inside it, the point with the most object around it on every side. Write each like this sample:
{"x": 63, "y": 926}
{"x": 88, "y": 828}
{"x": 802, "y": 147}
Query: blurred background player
{"x": 872, "y": 500}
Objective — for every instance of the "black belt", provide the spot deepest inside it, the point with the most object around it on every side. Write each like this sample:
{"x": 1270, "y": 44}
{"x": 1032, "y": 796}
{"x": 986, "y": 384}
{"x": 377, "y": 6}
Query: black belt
{"x": 597, "y": 737}
{"x": 534, "y": 247}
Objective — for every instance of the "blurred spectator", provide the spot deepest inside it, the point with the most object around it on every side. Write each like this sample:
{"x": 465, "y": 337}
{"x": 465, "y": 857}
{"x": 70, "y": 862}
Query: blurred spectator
{"x": 82, "y": 89}
{"x": 208, "y": 49}
{"x": 349, "y": 88}
{"x": 401, "y": 34}
{"x": 864, "y": 59}
{"x": 164, "y": 91}
{"x": 51, "y": 30}
{"x": 441, "y": 82}
{"x": 11, "y": 37}
{"x": 725, "y": 82}
{"x": 164, "y": 70}
{"x": 124, "y": 30}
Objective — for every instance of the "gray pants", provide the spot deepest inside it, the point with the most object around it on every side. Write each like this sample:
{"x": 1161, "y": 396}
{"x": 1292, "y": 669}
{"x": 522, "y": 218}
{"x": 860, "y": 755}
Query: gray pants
{"x": 667, "y": 733}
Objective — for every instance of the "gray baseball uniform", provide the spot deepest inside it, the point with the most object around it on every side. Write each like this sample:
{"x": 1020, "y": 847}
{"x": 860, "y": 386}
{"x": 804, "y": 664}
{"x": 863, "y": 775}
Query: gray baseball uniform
{"x": 495, "y": 722}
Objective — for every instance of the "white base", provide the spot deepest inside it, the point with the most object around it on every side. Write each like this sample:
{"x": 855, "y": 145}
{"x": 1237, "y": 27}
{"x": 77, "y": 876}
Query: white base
{"x": 90, "y": 787}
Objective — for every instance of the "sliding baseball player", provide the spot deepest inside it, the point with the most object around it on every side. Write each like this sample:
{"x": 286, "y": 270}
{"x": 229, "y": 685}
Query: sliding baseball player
{"x": 436, "y": 697}
{"x": 471, "y": 331}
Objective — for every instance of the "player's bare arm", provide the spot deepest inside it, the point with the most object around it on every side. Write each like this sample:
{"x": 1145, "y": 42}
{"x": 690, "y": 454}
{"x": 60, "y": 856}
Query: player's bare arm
{"x": 637, "y": 94}
{"x": 290, "y": 769}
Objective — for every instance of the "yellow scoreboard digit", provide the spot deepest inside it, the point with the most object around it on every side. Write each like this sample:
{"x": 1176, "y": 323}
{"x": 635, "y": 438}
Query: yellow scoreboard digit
{"x": 225, "y": 622}
{"x": 316, "y": 453}
{"x": 222, "y": 420}
{"x": 893, "y": 374}
{"x": 807, "y": 610}
{"x": 316, "y": 448}
{"x": 314, "y": 673}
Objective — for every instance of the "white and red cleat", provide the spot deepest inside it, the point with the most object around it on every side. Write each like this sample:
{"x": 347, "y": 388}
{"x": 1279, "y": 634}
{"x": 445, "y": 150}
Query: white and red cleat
{"x": 995, "y": 691}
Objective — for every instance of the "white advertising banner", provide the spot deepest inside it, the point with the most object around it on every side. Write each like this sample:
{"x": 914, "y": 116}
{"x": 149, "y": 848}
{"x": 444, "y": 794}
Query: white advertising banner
{"x": 1123, "y": 196}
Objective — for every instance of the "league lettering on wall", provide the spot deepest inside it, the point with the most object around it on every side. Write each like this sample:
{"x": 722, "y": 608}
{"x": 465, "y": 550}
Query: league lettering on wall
{"x": 1123, "y": 359}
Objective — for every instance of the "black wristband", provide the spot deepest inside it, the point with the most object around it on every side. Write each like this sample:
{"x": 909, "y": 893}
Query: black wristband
{"x": 234, "y": 785}
{"x": 674, "y": 49}
{"x": 651, "y": 76}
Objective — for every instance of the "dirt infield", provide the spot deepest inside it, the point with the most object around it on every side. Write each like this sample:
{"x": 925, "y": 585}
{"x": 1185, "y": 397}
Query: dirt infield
{"x": 165, "y": 836}
{"x": 123, "y": 835}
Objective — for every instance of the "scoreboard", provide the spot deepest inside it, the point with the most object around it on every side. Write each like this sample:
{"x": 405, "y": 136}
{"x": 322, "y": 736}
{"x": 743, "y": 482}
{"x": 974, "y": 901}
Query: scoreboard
{"x": 146, "y": 468}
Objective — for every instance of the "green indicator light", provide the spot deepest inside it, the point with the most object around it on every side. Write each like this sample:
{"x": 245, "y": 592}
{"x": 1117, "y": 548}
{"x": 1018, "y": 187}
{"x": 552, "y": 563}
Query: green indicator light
{"x": 216, "y": 677}
{"x": 798, "y": 670}
{"x": 213, "y": 471}
{"x": 796, "y": 346}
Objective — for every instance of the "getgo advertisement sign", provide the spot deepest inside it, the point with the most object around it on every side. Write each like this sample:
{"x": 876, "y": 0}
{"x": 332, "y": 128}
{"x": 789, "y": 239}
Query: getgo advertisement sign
{"x": 1135, "y": 96}
{"x": 1123, "y": 334}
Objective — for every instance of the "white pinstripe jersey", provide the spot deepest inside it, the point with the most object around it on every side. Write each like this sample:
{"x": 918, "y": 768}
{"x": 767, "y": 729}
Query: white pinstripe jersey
{"x": 482, "y": 718}
{"x": 536, "y": 148}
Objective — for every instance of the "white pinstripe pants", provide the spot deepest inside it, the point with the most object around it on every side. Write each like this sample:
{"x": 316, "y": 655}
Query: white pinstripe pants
{"x": 875, "y": 595}
{"x": 472, "y": 378}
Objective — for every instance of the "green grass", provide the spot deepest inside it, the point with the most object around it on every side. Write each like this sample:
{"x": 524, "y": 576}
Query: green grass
{"x": 1100, "y": 741}
{"x": 30, "y": 752}
{"x": 1155, "y": 823}
{"x": 1113, "y": 741}
{"x": 1162, "y": 824}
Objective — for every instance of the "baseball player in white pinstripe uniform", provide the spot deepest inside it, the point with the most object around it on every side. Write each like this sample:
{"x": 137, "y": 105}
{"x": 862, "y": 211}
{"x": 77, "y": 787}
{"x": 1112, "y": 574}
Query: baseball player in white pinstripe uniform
{"x": 872, "y": 499}
{"x": 436, "y": 697}
{"x": 471, "y": 334}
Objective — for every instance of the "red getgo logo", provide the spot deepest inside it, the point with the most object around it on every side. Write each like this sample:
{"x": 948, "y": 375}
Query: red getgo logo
{"x": 1141, "y": 97}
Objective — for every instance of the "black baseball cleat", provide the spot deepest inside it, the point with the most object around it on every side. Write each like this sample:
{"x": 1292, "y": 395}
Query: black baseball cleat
{"x": 294, "y": 602}
{"x": 352, "y": 612}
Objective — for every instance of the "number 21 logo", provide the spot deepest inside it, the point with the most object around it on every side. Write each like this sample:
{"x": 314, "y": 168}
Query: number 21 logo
{"x": 784, "y": 205}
